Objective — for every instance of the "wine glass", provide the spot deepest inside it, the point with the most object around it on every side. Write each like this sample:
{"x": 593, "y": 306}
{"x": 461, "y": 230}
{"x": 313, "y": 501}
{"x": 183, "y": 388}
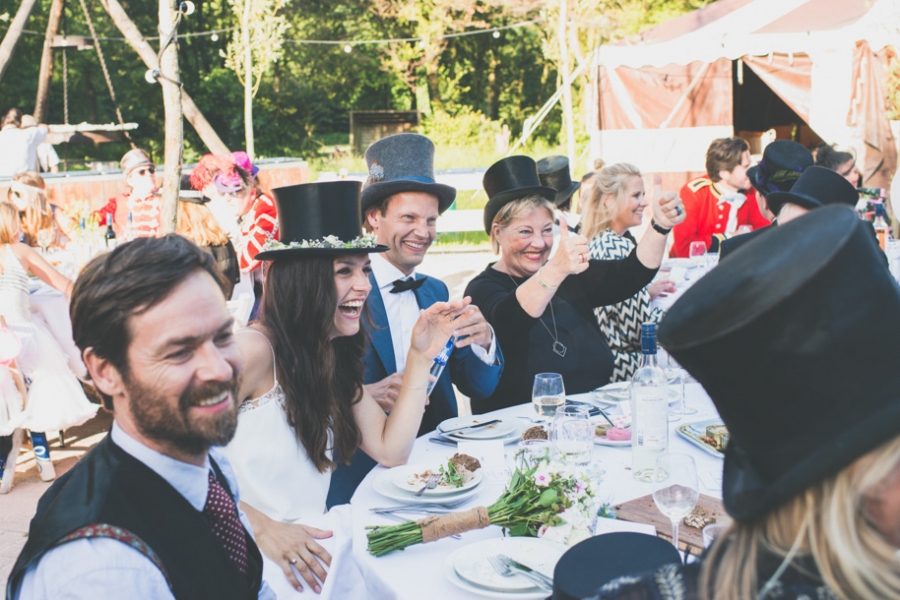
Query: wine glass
{"x": 548, "y": 394}
{"x": 44, "y": 239}
{"x": 697, "y": 253}
{"x": 675, "y": 489}
{"x": 682, "y": 407}
{"x": 531, "y": 452}
{"x": 572, "y": 434}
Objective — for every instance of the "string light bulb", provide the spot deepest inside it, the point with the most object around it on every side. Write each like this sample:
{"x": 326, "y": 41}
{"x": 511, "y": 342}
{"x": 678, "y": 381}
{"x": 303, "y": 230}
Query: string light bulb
{"x": 214, "y": 37}
{"x": 496, "y": 35}
{"x": 348, "y": 48}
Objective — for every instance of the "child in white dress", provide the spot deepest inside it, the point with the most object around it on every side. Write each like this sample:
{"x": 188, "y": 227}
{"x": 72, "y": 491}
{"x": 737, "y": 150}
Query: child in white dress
{"x": 55, "y": 399}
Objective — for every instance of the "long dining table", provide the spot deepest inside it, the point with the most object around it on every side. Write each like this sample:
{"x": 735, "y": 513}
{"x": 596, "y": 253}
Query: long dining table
{"x": 418, "y": 571}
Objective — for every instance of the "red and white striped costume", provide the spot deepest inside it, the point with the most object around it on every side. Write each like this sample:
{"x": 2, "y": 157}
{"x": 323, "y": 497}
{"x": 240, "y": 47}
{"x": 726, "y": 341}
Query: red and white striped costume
{"x": 257, "y": 227}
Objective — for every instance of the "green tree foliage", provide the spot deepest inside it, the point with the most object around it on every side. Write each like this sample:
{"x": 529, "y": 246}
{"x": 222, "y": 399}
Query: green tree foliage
{"x": 308, "y": 92}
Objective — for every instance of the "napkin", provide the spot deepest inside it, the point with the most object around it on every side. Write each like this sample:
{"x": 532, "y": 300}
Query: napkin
{"x": 491, "y": 455}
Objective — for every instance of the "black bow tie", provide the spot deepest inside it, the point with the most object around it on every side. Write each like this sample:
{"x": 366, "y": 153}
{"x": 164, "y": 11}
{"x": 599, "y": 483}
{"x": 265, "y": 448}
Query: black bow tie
{"x": 402, "y": 285}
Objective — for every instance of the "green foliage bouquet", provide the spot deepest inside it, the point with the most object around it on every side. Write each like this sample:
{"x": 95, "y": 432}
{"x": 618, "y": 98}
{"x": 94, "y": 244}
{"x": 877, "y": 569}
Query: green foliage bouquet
{"x": 544, "y": 500}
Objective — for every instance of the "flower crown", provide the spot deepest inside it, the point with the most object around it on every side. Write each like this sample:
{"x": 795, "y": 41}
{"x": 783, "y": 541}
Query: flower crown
{"x": 327, "y": 242}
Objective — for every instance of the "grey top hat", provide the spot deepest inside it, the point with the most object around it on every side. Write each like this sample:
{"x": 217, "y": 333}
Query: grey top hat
{"x": 402, "y": 163}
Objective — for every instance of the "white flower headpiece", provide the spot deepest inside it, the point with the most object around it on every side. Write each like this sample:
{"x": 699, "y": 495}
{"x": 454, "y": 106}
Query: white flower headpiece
{"x": 328, "y": 242}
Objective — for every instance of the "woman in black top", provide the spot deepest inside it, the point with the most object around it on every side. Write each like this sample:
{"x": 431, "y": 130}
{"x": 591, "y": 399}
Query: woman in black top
{"x": 542, "y": 310}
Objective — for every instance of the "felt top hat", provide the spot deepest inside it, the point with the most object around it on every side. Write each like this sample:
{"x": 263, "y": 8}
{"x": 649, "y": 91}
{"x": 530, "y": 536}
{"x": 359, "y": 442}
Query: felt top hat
{"x": 782, "y": 163}
{"x": 134, "y": 159}
{"x": 188, "y": 194}
{"x": 553, "y": 172}
{"x": 816, "y": 187}
{"x": 588, "y": 565}
{"x": 403, "y": 163}
{"x": 509, "y": 179}
{"x": 319, "y": 219}
{"x": 809, "y": 311}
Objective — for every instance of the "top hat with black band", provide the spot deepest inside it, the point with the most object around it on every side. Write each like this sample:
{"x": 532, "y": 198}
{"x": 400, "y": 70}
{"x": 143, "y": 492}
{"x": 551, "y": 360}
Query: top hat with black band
{"x": 801, "y": 305}
{"x": 319, "y": 219}
{"x": 782, "y": 163}
{"x": 553, "y": 172}
{"x": 509, "y": 179}
{"x": 816, "y": 187}
{"x": 188, "y": 194}
{"x": 403, "y": 163}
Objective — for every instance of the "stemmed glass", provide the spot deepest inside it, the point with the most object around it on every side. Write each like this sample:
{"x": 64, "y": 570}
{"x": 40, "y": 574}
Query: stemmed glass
{"x": 548, "y": 394}
{"x": 697, "y": 253}
{"x": 44, "y": 239}
{"x": 682, "y": 407}
{"x": 572, "y": 434}
{"x": 675, "y": 489}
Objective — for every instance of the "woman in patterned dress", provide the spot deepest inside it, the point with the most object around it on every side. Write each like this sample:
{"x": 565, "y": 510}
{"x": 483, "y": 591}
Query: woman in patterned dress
{"x": 616, "y": 203}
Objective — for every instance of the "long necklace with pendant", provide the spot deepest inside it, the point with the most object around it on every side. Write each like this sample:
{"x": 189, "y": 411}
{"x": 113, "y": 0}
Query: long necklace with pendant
{"x": 558, "y": 347}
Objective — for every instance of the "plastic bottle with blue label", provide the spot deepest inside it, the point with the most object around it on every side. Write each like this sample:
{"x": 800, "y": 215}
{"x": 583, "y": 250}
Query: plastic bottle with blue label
{"x": 440, "y": 361}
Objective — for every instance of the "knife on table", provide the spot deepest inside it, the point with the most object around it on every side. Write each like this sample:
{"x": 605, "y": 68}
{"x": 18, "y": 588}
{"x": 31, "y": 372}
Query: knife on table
{"x": 476, "y": 426}
{"x": 526, "y": 569}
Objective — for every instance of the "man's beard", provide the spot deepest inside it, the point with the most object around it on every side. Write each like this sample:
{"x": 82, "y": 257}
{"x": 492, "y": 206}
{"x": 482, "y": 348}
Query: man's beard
{"x": 157, "y": 420}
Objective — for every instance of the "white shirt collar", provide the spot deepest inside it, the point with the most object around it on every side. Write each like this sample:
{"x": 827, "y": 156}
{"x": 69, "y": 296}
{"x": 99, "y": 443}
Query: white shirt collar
{"x": 386, "y": 273}
{"x": 190, "y": 481}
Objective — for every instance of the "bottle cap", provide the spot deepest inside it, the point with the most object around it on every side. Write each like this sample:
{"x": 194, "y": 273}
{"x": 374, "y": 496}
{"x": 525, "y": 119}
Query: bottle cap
{"x": 879, "y": 210}
{"x": 648, "y": 338}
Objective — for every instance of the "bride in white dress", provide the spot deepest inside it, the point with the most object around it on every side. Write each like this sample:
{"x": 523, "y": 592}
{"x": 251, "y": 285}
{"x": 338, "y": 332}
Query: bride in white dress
{"x": 302, "y": 389}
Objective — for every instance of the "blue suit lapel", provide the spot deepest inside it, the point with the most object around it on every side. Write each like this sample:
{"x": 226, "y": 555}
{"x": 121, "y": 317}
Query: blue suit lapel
{"x": 380, "y": 334}
{"x": 424, "y": 294}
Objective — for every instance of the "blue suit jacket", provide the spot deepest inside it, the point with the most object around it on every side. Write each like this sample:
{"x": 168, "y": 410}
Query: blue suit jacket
{"x": 471, "y": 375}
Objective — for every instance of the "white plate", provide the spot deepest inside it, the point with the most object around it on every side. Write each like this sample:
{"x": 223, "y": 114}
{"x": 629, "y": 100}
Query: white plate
{"x": 491, "y": 432}
{"x": 519, "y": 427}
{"x": 384, "y": 485}
{"x": 602, "y": 441}
{"x": 402, "y": 475}
{"x": 671, "y": 263}
{"x": 620, "y": 392}
{"x": 468, "y": 567}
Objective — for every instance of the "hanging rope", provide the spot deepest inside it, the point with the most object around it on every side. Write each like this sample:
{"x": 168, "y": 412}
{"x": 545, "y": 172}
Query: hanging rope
{"x": 65, "y": 54}
{"x": 109, "y": 85}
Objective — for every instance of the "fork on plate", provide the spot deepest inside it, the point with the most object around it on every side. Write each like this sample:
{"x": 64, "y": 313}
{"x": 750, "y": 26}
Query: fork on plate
{"x": 430, "y": 484}
{"x": 501, "y": 565}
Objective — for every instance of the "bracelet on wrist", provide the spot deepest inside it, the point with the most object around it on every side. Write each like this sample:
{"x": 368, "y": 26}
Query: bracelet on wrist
{"x": 659, "y": 228}
{"x": 543, "y": 283}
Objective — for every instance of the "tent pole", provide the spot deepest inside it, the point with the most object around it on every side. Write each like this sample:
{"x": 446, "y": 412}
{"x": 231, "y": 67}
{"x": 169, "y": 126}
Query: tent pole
{"x": 568, "y": 121}
{"x": 148, "y": 55}
{"x": 46, "y": 72}
{"x": 169, "y": 80}
{"x": 14, "y": 33}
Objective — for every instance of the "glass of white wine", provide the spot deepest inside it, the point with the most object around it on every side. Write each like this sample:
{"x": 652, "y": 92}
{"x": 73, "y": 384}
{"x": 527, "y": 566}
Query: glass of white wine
{"x": 573, "y": 434}
{"x": 548, "y": 394}
{"x": 44, "y": 239}
{"x": 675, "y": 489}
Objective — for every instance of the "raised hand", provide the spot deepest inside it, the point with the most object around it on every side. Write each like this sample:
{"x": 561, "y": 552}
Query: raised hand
{"x": 435, "y": 326}
{"x": 571, "y": 256}
{"x": 473, "y": 328}
{"x": 385, "y": 392}
{"x": 668, "y": 210}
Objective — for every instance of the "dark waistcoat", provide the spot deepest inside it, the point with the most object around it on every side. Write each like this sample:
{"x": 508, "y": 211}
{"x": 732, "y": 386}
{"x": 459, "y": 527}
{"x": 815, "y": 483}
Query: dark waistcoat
{"x": 109, "y": 493}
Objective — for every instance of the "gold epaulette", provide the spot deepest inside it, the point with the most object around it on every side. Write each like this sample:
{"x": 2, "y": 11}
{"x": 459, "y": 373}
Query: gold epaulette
{"x": 698, "y": 184}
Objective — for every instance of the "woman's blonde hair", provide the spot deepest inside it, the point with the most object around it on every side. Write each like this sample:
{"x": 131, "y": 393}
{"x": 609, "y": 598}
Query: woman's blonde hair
{"x": 833, "y": 528}
{"x": 608, "y": 181}
{"x": 37, "y": 214}
{"x": 9, "y": 223}
{"x": 512, "y": 211}
{"x": 197, "y": 223}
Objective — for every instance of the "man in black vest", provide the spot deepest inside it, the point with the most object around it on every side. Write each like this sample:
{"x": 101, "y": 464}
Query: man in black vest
{"x": 151, "y": 511}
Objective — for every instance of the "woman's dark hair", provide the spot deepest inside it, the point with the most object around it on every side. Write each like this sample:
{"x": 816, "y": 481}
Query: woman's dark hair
{"x": 126, "y": 282}
{"x": 831, "y": 158}
{"x": 322, "y": 378}
{"x": 12, "y": 117}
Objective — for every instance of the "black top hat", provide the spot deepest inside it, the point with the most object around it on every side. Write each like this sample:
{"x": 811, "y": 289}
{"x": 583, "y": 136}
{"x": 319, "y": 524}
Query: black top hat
{"x": 319, "y": 219}
{"x": 816, "y": 187}
{"x": 596, "y": 561}
{"x": 553, "y": 172}
{"x": 509, "y": 179}
{"x": 782, "y": 163}
{"x": 188, "y": 194}
{"x": 795, "y": 338}
{"x": 403, "y": 163}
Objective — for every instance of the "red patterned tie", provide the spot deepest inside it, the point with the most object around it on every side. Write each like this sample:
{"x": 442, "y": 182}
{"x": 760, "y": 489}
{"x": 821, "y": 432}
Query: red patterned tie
{"x": 222, "y": 516}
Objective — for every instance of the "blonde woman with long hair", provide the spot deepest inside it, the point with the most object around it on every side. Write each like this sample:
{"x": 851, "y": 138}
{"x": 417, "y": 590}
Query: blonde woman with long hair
{"x": 781, "y": 339}
{"x": 29, "y": 194}
{"x": 197, "y": 223}
{"x": 55, "y": 399}
{"x": 615, "y": 203}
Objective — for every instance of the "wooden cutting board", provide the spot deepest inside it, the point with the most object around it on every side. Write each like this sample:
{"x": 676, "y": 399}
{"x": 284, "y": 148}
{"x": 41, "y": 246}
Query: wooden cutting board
{"x": 690, "y": 539}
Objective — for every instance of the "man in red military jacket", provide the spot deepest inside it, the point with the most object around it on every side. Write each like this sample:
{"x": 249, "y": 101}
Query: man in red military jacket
{"x": 719, "y": 202}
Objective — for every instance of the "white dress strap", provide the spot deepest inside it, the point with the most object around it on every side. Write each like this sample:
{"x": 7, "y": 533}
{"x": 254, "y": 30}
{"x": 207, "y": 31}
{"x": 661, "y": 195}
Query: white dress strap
{"x": 275, "y": 394}
{"x": 271, "y": 348}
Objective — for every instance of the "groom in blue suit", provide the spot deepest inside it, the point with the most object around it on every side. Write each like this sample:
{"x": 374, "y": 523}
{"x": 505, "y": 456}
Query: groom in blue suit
{"x": 400, "y": 203}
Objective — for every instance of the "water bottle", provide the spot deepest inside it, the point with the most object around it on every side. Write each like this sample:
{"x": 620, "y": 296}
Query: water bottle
{"x": 649, "y": 409}
{"x": 440, "y": 361}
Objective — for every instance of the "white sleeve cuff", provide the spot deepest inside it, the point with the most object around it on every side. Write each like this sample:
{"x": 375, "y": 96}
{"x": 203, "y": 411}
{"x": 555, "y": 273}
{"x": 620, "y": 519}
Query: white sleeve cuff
{"x": 488, "y": 356}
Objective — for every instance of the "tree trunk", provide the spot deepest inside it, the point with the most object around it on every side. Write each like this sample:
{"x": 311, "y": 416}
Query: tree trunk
{"x": 248, "y": 78}
{"x": 148, "y": 55}
{"x": 14, "y": 33}
{"x": 46, "y": 72}
{"x": 569, "y": 122}
{"x": 171, "y": 90}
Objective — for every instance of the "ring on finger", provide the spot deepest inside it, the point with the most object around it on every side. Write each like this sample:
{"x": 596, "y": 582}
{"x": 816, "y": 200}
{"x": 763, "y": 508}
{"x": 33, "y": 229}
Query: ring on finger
{"x": 583, "y": 259}
{"x": 294, "y": 561}
{"x": 678, "y": 210}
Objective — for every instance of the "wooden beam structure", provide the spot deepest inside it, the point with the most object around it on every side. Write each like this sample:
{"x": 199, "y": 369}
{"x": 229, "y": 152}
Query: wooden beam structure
{"x": 169, "y": 80}
{"x": 14, "y": 34}
{"x": 46, "y": 72}
{"x": 148, "y": 55}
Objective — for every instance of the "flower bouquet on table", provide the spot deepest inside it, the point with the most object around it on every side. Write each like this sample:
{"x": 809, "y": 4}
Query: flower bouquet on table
{"x": 543, "y": 498}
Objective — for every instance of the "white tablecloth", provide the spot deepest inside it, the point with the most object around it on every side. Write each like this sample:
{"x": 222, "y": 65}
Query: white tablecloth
{"x": 417, "y": 572}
